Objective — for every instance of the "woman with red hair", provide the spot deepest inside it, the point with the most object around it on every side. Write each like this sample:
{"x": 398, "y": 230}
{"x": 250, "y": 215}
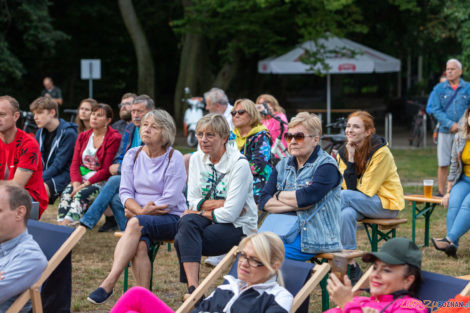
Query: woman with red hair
{"x": 371, "y": 186}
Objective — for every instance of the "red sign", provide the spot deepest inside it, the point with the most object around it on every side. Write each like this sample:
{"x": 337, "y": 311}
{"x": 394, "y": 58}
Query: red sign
{"x": 347, "y": 67}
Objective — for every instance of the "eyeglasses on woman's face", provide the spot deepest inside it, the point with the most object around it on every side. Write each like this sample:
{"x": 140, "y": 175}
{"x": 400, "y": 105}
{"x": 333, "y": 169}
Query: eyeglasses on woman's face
{"x": 299, "y": 137}
{"x": 240, "y": 112}
{"x": 251, "y": 261}
{"x": 209, "y": 135}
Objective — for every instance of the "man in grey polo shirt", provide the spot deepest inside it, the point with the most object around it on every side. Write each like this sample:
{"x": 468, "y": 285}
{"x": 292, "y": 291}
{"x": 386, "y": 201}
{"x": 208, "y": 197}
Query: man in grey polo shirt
{"x": 21, "y": 259}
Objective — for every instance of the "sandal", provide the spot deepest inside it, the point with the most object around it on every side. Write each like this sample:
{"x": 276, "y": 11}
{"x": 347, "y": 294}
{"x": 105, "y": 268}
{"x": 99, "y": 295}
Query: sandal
{"x": 188, "y": 292}
{"x": 440, "y": 243}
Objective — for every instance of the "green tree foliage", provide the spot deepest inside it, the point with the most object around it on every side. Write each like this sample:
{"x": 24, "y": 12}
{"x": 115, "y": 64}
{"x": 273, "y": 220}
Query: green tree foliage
{"x": 454, "y": 22}
{"x": 30, "y": 22}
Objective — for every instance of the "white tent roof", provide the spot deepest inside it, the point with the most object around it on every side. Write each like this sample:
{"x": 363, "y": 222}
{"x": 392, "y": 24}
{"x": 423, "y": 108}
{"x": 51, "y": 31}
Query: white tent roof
{"x": 366, "y": 60}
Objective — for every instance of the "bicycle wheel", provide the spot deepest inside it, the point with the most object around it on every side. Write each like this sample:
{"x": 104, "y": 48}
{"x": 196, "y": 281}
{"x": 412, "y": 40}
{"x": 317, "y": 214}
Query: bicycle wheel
{"x": 417, "y": 132}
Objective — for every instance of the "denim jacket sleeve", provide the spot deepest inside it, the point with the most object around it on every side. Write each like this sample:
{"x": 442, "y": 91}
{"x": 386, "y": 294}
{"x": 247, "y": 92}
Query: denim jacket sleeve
{"x": 438, "y": 107}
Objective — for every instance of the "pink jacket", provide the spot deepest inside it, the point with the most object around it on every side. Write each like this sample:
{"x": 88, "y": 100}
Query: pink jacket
{"x": 406, "y": 304}
{"x": 274, "y": 128}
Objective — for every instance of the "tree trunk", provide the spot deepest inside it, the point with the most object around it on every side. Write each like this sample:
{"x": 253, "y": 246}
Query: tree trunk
{"x": 145, "y": 66}
{"x": 190, "y": 71}
{"x": 227, "y": 72}
{"x": 194, "y": 68}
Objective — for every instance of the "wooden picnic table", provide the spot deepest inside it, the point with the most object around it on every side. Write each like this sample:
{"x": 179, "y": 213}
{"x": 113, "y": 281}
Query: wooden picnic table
{"x": 422, "y": 206}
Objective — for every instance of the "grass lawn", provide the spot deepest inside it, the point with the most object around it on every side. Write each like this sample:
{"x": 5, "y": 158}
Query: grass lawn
{"x": 92, "y": 258}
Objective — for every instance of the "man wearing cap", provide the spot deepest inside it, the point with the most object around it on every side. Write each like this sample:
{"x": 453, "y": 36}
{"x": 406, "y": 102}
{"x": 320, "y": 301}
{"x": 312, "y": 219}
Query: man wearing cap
{"x": 394, "y": 281}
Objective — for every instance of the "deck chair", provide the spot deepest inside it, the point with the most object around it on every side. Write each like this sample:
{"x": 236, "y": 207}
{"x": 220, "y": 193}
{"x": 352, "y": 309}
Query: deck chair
{"x": 439, "y": 287}
{"x": 56, "y": 242}
{"x": 435, "y": 287}
{"x": 296, "y": 278}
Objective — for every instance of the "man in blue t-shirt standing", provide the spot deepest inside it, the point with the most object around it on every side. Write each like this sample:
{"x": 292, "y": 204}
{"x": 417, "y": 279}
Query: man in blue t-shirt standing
{"x": 450, "y": 100}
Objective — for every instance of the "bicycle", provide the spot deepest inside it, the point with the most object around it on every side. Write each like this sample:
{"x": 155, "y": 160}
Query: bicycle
{"x": 73, "y": 113}
{"x": 417, "y": 132}
{"x": 26, "y": 122}
{"x": 332, "y": 143}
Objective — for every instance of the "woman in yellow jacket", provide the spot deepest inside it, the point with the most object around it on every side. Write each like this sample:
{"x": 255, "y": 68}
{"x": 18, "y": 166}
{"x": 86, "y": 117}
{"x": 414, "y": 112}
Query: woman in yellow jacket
{"x": 371, "y": 186}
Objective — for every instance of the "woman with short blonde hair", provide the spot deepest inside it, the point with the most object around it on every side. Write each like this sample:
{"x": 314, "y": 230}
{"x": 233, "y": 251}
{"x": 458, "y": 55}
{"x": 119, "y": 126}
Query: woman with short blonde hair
{"x": 166, "y": 123}
{"x": 306, "y": 184}
{"x": 220, "y": 197}
{"x": 257, "y": 288}
{"x": 253, "y": 141}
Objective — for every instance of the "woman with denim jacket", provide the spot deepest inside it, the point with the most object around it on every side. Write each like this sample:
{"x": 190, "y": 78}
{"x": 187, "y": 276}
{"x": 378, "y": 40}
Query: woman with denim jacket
{"x": 457, "y": 198}
{"x": 302, "y": 183}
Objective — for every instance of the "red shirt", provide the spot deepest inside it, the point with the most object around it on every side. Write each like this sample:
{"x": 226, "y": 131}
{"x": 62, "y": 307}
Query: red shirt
{"x": 24, "y": 152}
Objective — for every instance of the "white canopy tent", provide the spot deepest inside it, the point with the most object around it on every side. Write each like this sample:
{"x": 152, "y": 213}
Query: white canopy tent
{"x": 365, "y": 60}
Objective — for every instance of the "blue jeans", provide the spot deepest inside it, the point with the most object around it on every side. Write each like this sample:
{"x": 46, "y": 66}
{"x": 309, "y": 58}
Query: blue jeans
{"x": 294, "y": 252}
{"x": 109, "y": 196}
{"x": 356, "y": 206}
{"x": 458, "y": 214}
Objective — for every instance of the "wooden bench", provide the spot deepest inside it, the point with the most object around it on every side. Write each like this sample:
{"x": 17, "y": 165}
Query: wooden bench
{"x": 381, "y": 229}
{"x": 428, "y": 205}
{"x": 155, "y": 246}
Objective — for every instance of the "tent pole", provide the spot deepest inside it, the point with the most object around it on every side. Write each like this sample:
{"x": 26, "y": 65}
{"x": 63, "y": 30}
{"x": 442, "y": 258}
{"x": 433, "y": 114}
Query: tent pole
{"x": 328, "y": 101}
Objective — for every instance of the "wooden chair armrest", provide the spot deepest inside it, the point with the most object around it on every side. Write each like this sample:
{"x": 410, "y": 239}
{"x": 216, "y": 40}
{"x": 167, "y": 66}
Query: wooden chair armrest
{"x": 466, "y": 291}
{"x": 36, "y": 301}
{"x": 362, "y": 281}
{"x": 319, "y": 272}
{"x": 56, "y": 259}
{"x": 188, "y": 305}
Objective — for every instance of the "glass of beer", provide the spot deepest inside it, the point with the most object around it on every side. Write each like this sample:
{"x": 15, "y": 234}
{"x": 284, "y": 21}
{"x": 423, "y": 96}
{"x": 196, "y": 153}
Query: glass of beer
{"x": 339, "y": 266}
{"x": 427, "y": 183}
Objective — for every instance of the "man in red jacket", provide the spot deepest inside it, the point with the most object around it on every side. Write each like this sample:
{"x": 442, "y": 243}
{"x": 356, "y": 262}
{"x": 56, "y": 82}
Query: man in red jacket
{"x": 20, "y": 158}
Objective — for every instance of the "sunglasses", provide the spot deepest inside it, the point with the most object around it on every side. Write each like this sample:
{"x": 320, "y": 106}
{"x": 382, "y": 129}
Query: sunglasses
{"x": 240, "y": 112}
{"x": 299, "y": 137}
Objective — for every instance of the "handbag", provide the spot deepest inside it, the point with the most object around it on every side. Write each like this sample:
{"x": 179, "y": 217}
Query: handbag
{"x": 287, "y": 225}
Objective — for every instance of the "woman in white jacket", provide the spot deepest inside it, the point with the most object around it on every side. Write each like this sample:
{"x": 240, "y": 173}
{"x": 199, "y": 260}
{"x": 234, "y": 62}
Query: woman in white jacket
{"x": 220, "y": 196}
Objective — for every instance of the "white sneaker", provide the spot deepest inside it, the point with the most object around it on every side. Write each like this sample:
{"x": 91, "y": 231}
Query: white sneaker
{"x": 214, "y": 260}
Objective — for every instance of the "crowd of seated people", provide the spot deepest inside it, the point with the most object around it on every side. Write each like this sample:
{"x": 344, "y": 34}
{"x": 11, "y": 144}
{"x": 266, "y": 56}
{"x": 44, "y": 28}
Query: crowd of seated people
{"x": 137, "y": 175}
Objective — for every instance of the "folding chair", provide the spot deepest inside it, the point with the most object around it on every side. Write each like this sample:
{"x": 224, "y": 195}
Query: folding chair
{"x": 154, "y": 247}
{"x": 56, "y": 242}
{"x": 439, "y": 287}
{"x": 434, "y": 287}
{"x": 296, "y": 277}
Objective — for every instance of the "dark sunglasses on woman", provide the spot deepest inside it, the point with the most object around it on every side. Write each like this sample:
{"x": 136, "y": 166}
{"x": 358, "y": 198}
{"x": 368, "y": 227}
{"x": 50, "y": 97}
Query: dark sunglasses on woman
{"x": 299, "y": 137}
{"x": 240, "y": 112}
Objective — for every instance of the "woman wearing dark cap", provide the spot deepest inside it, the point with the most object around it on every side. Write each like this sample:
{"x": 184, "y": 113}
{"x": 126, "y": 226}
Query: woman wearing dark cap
{"x": 394, "y": 282}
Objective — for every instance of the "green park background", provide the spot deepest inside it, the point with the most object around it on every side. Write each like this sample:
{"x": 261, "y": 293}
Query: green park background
{"x": 158, "y": 47}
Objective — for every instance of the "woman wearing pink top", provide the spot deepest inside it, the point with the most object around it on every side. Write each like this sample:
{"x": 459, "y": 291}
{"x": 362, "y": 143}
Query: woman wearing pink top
{"x": 270, "y": 123}
{"x": 394, "y": 282}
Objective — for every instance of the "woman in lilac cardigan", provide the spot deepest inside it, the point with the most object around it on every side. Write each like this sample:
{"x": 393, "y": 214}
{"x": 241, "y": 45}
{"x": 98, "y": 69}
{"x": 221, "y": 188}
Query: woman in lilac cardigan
{"x": 394, "y": 282}
{"x": 153, "y": 177}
